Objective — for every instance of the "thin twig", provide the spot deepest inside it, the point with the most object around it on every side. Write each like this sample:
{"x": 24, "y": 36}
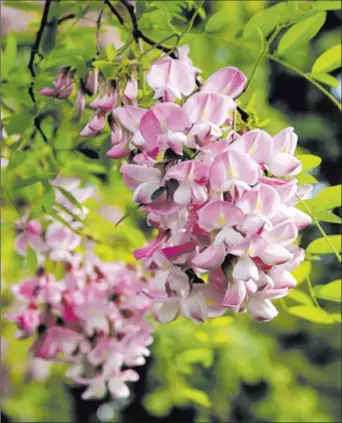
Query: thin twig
{"x": 138, "y": 34}
{"x": 311, "y": 291}
{"x": 66, "y": 18}
{"x": 35, "y": 46}
{"x": 115, "y": 12}
{"x": 307, "y": 77}
{"x": 98, "y": 28}
{"x": 264, "y": 51}
{"x": 192, "y": 20}
{"x": 319, "y": 227}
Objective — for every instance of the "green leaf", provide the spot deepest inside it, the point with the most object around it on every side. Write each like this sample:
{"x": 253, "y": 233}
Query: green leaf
{"x": 18, "y": 123}
{"x": 69, "y": 197}
{"x": 49, "y": 35}
{"x": 111, "y": 52}
{"x": 265, "y": 20}
{"x": 328, "y": 61}
{"x": 8, "y": 56}
{"x": 322, "y": 246}
{"x": 32, "y": 260}
{"x": 325, "y": 78}
{"x": 309, "y": 161}
{"x": 302, "y": 272}
{"x": 49, "y": 196}
{"x": 197, "y": 396}
{"x": 17, "y": 159}
{"x": 216, "y": 22}
{"x": 328, "y": 198}
{"x": 306, "y": 178}
{"x": 327, "y": 216}
{"x": 331, "y": 291}
{"x": 22, "y": 183}
{"x": 300, "y": 297}
{"x": 301, "y": 33}
{"x": 327, "y": 5}
{"x": 313, "y": 314}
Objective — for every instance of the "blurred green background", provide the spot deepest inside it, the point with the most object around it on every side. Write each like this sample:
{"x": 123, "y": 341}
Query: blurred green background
{"x": 229, "y": 369}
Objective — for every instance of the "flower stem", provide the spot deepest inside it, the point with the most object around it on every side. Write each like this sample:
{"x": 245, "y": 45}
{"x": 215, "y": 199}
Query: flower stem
{"x": 319, "y": 227}
{"x": 312, "y": 292}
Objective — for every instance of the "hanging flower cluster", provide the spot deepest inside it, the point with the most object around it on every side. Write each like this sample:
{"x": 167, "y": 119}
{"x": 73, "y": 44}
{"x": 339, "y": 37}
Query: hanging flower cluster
{"x": 221, "y": 199}
{"x": 93, "y": 318}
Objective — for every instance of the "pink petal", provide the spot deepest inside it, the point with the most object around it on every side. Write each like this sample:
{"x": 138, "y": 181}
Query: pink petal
{"x": 211, "y": 257}
{"x": 182, "y": 194}
{"x": 245, "y": 269}
{"x": 284, "y": 164}
{"x": 235, "y": 294}
{"x": 228, "y": 81}
{"x": 119, "y": 151}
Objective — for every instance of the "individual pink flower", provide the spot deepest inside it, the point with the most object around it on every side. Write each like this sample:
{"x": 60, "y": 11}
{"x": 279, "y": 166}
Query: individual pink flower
{"x": 80, "y": 103}
{"x": 233, "y": 171}
{"x": 192, "y": 177}
{"x": 95, "y": 125}
{"x": 61, "y": 241}
{"x": 130, "y": 118}
{"x": 170, "y": 79}
{"x": 92, "y": 83}
{"x": 257, "y": 144}
{"x": 108, "y": 101}
{"x": 63, "y": 85}
{"x": 31, "y": 235}
{"x": 281, "y": 161}
{"x": 143, "y": 179}
{"x": 259, "y": 204}
{"x": 131, "y": 89}
{"x": 163, "y": 125}
{"x": 228, "y": 81}
{"x": 208, "y": 112}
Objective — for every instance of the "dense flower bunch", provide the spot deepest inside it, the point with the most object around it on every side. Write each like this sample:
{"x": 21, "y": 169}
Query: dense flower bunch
{"x": 93, "y": 318}
{"x": 221, "y": 198}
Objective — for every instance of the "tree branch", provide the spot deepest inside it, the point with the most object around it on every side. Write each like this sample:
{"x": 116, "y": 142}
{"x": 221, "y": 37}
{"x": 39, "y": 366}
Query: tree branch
{"x": 98, "y": 28}
{"x": 136, "y": 31}
{"x": 35, "y": 46}
{"x": 115, "y": 12}
{"x": 66, "y": 18}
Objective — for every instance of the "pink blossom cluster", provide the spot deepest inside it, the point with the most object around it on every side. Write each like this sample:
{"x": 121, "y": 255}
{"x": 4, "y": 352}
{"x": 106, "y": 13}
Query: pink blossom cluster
{"x": 58, "y": 241}
{"x": 93, "y": 318}
{"x": 222, "y": 200}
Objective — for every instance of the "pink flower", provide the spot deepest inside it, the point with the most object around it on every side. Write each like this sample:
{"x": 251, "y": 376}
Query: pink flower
{"x": 131, "y": 89}
{"x": 282, "y": 162}
{"x": 92, "y": 84}
{"x": 64, "y": 85}
{"x": 31, "y": 236}
{"x": 207, "y": 112}
{"x": 143, "y": 180}
{"x": 163, "y": 126}
{"x": 192, "y": 177}
{"x": 61, "y": 241}
{"x": 130, "y": 118}
{"x": 233, "y": 171}
{"x": 228, "y": 81}
{"x": 108, "y": 101}
{"x": 170, "y": 79}
{"x": 95, "y": 125}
